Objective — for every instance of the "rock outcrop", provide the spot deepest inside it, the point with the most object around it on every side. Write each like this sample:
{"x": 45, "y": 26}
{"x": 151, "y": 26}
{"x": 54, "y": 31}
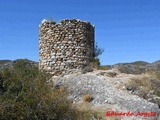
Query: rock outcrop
{"x": 105, "y": 92}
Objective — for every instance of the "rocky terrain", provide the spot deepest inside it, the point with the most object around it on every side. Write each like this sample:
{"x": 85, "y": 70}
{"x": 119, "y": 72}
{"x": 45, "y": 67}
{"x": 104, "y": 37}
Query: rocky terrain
{"x": 108, "y": 92}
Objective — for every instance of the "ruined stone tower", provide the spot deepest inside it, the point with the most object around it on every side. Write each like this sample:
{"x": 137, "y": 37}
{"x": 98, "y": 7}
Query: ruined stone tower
{"x": 65, "y": 47}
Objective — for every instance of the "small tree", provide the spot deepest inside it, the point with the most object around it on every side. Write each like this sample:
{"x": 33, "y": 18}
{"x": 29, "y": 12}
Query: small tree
{"x": 97, "y": 51}
{"x": 94, "y": 60}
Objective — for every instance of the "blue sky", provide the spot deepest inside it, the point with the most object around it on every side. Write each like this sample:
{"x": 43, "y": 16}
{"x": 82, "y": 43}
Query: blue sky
{"x": 128, "y": 30}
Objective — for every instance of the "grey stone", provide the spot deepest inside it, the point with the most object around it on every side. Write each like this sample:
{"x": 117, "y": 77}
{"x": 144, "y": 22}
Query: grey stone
{"x": 104, "y": 93}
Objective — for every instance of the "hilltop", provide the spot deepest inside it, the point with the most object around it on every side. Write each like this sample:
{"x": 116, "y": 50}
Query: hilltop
{"x": 9, "y": 63}
{"x": 121, "y": 87}
{"x": 137, "y": 67}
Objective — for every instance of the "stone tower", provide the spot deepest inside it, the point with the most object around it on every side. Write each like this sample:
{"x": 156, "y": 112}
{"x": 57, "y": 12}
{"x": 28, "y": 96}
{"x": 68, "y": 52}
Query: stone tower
{"x": 65, "y": 47}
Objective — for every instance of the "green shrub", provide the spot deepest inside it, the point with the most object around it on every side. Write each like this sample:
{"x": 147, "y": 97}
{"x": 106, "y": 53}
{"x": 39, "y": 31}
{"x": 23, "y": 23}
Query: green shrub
{"x": 96, "y": 61}
{"x": 24, "y": 94}
{"x": 102, "y": 68}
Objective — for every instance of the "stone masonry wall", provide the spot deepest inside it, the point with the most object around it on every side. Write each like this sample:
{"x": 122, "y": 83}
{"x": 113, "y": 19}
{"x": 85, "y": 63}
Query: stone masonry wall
{"x": 65, "y": 47}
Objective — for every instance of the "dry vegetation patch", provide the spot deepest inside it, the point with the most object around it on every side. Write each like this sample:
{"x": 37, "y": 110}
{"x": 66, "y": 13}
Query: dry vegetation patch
{"x": 87, "y": 98}
{"x": 145, "y": 84}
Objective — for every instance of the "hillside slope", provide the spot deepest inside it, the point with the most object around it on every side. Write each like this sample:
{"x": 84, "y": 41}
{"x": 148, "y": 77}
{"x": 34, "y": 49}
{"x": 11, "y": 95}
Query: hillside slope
{"x": 108, "y": 92}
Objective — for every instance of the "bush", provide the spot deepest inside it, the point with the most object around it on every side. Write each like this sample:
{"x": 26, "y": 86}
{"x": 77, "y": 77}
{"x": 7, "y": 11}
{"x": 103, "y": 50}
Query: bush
{"x": 24, "y": 94}
{"x": 95, "y": 61}
{"x": 102, "y": 68}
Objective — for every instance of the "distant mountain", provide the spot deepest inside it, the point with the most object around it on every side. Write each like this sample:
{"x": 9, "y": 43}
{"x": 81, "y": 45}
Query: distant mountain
{"x": 4, "y": 61}
{"x": 157, "y": 62}
{"x": 138, "y": 63}
{"x": 5, "y": 64}
{"x": 154, "y": 66}
{"x": 9, "y": 63}
{"x": 137, "y": 67}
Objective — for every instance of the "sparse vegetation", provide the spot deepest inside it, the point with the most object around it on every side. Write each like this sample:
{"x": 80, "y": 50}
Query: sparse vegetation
{"x": 146, "y": 84}
{"x": 147, "y": 87}
{"x": 158, "y": 74}
{"x": 102, "y": 68}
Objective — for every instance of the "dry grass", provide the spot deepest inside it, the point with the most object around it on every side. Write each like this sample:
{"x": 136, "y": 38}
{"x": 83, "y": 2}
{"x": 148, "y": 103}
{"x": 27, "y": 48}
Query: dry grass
{"x": 111, "y": 74}
{"x": 87, "y": 98}
{"x": 146, "y": 83}
{"x": 62, "y": 89}
{"x": 86, "y": 111}
{"x": 98, "y": 112}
